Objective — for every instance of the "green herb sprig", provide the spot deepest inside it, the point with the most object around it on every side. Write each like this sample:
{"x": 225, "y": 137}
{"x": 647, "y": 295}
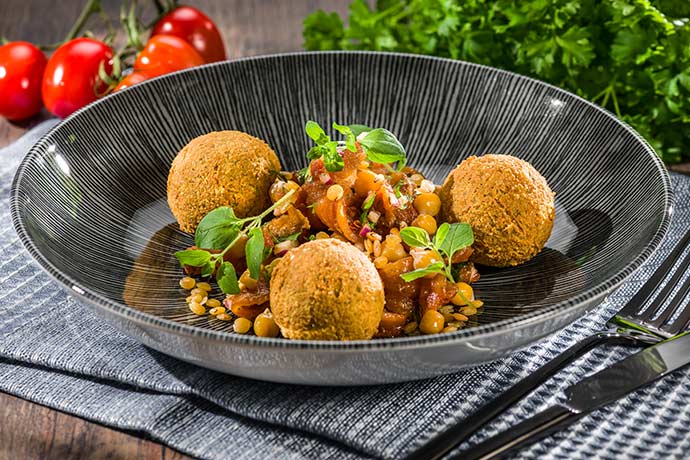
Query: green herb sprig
{"x": 220, "y": 230}
{"x": 629, "y": 56}
{"x": 379, "y": 145}
{"x": 449, "y": 239}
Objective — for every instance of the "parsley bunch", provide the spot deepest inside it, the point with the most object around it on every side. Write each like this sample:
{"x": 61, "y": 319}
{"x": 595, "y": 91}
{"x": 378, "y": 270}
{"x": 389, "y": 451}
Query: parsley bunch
{"x": 629, "y": 56}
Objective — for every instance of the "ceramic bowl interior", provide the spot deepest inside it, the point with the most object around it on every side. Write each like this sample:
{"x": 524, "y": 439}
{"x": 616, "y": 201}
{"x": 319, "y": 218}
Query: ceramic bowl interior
{"x": 89, "y": 200}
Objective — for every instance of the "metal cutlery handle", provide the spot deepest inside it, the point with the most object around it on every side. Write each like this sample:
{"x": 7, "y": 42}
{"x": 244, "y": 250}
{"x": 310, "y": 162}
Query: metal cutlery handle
{"x": 526, "y": 432}
{"x": 443, "y": 443}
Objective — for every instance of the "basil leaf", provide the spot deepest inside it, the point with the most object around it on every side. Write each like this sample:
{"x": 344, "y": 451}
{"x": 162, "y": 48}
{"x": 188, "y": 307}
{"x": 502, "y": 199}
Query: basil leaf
{"x": 459, "y": 236}
{"x": 316, "y": 133}
{"x": 415, "y": 237}
{"x": 344, "y": 130}
{"x": 193, "y": 257}
{"x": 381, "y": 146}
{"x": 254, "y": 252}
{"x": 317, "y": 152}
{"x": 332, "y": 160}
{"x": 359, "y": 129}
{"x": 217, "y": 229}
{"x": 349, "y": 136}
{"x": 436, "y": 267}
{"x": 207, "y": 270}
{"x": 227, "y": 279}
{"x": 441, "y": 234}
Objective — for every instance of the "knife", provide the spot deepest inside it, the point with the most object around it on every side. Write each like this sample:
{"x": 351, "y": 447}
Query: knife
{"x": 588, "y": 395}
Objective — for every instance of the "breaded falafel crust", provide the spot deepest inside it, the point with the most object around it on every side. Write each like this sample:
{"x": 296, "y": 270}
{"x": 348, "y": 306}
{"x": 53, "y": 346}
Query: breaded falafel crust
{"x": 222, "y": 168}
{"x": 326, "y": 290}
{"x": 507, "y": 202}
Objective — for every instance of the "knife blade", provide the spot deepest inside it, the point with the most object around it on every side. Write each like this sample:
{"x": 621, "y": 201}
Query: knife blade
{"x": 588, "y": 395}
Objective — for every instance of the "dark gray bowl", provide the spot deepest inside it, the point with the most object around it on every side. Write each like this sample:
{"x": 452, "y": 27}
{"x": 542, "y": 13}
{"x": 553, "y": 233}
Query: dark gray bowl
{"x": 89, "y": 200}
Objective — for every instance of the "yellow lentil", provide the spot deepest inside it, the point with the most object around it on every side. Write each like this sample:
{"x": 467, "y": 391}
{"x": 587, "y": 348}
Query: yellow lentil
{"x": 216, "y": 311}
{"x": 265, "y": 325}
{"x": 460, "y": 317}
{"x": 335, "y": 192}
{"x": 428, "y": 203}
{"x": 374, "y": 236}
{"x": 425, "y": 258}
{"x": 242, "y": 325}
{"x": 368, "y": 246}
{"x": 468, "y": 311}
{"x": 321, "y": 236}
{"x": 432, "y": 322}
{"x": 204, "y": 285}
{"x": 446, "y": 309}
{"x": 197, "y": 308}
{"x": 425, "y": 222}
{"x": 426, "y": 186}
{"x": 377, "y": 248}
{"x": 392, "y": 250}
{"x": 187, "y": 282}
{"x": 417, "y": 179}
{"x": 224, "y": 317}
{"x": 410, "y": 327}
{"x": 196, "y": 298}
{"x": 476, "y": 303}
{"x": 213, "y": 303}
{"x": 449, "y": 329}
{"x": 198, "y": 291}
{"x": 465, "y": 294}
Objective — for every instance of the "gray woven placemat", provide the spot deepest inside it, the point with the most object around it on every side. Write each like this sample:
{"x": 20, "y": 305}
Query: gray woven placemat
{"x": 55, "y": 352}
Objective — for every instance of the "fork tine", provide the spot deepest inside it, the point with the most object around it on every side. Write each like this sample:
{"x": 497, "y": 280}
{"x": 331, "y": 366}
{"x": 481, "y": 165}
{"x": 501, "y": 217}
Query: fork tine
{"x": 633, "y": 307}
{"x": 664, "y": 294}
{"x": 682, "y": 321}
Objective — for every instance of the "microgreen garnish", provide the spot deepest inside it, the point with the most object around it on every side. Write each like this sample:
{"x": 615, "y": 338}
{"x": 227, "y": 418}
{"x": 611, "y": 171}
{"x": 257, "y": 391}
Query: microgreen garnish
{"x": 379, "y": 145}
{"x": 219, "y": 230}
{"x": 226, "y": 277}
{"x": 324, "y": 147}
{"x": 303, "y": 175}
{"x": 449, "y": 239}
{"x": 254, "y": 252}
{"x": 294, "y": 237}
{"x": 369, "y": 202}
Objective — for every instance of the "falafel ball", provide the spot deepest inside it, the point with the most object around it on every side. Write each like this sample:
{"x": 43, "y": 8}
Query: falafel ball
{"x": 508, "y": 204}
{"x": 222, "y": 168}
{"x": 326, "y": 290}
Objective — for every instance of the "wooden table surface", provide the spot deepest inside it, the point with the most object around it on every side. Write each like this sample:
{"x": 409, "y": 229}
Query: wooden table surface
{"x": 250, "y": 27}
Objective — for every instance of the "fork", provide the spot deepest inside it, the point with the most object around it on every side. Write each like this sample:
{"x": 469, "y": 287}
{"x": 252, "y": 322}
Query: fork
{"x": 632, "y": 325}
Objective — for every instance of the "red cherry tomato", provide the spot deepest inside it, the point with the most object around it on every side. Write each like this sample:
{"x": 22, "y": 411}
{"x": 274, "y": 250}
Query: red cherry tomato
{"x": 71, "y": 78}
{"x": 195, "y": 28}
{"x": 132, "y": 79}
{"x": 166, "y": 53}
{"x": 21, "y": 71}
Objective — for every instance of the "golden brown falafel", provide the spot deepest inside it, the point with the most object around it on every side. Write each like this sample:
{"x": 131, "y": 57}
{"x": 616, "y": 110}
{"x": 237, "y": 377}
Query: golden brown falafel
{"x": 326, "y": 290}
{"x": 508, "y": 204}
{"x": 222, "y": 168}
